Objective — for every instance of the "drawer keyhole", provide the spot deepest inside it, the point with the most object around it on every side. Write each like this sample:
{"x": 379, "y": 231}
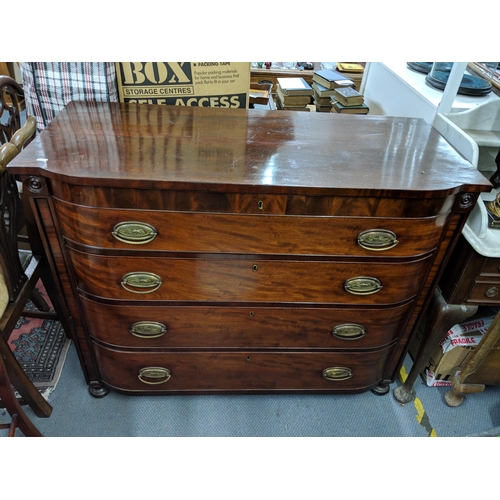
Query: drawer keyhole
{"x": 255, "y": 268}
{"x": 260, "y": 205}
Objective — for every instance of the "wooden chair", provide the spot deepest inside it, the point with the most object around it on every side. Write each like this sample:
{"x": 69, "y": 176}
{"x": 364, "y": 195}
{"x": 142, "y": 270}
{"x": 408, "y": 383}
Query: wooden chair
{"x": 20, "y": 271}
{"x": 19, "y": 418}
{"x": 11, "y": 104}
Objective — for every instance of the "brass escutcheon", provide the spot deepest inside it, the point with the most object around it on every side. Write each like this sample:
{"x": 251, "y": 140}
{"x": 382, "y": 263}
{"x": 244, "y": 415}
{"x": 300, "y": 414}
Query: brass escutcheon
{"x": 141, "y": 280}
{"x": 491, "y": 292}
{"x": 349, "y": 331}
{"x": 337, "y": 373}
{"x": 148, "y": 329}
{"x": 260, "y": 205}
{"x": 154, "y": 375}
{"x": 377, "y": 240}
{"x": 362, "y": 285}
{"x": 134, "y": 233}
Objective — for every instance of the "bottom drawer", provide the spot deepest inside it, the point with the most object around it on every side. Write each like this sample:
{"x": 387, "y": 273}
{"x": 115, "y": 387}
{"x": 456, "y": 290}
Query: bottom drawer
{"x": 244, "y": 371}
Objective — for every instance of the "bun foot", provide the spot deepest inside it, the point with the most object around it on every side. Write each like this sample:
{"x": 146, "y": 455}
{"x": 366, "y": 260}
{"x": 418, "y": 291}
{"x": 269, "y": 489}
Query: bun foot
{"x": 381, "y": 389}
{"x": 97, "y": 390}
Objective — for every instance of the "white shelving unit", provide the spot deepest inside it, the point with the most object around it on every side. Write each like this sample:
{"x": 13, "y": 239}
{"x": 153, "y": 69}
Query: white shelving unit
{"x": 395, "y": 90}
{"x": 391, "y": 88}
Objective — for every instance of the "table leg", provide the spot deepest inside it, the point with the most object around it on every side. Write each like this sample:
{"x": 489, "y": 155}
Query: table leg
{"x": 442, "y": 316}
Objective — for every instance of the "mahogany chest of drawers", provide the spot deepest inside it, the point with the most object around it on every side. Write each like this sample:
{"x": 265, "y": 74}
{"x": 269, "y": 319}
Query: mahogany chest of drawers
{"x": 203, "y": 250}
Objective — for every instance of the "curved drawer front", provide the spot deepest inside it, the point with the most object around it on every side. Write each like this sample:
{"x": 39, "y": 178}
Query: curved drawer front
{"x": 202, "y": 232}
{"x": 236, "y": 327}
{"x": 221, "y": 201}
{"x": 242, "y": 371}
{"x": 229, "y": 280}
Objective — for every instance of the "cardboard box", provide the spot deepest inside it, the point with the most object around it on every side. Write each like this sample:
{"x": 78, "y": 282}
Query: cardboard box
{"x": 454, "y": 350}
{"x": 207, "y": 84}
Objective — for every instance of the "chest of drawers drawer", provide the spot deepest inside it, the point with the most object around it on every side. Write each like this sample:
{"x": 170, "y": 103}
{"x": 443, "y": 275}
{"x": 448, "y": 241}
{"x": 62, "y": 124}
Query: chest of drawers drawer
{"x": 221, "y": 199}
{"x": 484, "y": 292}
{"x": 249, "y": 279}
{"x": 232, "y": 327}
{"x": 236, "y": 233}
{"x": 491, "y": 268}
{"x": 471, "y": 278}
{"x": 244, "y": 371}
{"x": 486, "y": 288}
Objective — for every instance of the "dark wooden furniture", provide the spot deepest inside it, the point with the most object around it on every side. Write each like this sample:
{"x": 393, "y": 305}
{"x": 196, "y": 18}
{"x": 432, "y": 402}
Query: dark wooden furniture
{"x": 469, "y": 280}
{"x": 19, "y": 419}
{"x": 20, "y": 271}
{"x": 11, "y": 105}
{"x": 203, "y": 250}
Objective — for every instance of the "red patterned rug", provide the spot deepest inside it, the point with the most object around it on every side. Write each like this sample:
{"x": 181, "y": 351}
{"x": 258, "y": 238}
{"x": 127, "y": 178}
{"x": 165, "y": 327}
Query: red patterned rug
{"x": 40, "y": 346}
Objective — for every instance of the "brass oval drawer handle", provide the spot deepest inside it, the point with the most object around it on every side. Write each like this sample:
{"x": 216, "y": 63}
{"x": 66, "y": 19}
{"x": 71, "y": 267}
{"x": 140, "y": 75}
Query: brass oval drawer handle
{"x": 349, "y": 331}
{"x": 141, "y": 280}
{"x": 363, "y": 285}
{"x": 154, "y": 375}
{"x": 134, "y": 233}
{"x": 337, "y": 373}
{"x": 148, "y": 329}
{"x": 491, "y": 292}
{"x": 377, "y": 240}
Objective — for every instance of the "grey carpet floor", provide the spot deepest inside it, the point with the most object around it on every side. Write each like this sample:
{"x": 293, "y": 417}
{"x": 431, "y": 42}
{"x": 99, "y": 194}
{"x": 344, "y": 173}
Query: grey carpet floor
{"x": 77, "y": 414}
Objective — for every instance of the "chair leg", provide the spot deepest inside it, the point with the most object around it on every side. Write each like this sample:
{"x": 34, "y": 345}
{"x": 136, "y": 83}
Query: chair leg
{"x": 39, "y": 302}
{"x": 19, "y": 418}
{"x": 22, "y": 383}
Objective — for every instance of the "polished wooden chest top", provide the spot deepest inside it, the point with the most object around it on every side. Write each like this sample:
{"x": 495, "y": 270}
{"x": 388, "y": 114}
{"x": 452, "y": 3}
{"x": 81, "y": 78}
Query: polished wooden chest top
{"x": 204, "y": 250}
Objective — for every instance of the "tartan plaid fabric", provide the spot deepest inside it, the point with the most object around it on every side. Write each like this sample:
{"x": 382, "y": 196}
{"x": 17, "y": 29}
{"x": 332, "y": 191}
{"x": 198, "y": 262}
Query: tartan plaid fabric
{"x": 49, "y": 86}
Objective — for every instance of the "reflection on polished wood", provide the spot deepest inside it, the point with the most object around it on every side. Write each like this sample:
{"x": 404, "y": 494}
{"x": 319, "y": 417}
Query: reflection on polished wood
{"x": 235, "y": 150}
{"x": 246, "y": 225}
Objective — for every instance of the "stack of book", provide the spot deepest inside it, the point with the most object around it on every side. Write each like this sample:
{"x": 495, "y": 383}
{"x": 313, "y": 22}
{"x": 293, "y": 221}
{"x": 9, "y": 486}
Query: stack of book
{"x": 350, "y": 67}
{"x": 293, "y": 94}
{"x": 348, "y": 100}
{"x": 324, "y": 84}
{"x": 322, "y": 97}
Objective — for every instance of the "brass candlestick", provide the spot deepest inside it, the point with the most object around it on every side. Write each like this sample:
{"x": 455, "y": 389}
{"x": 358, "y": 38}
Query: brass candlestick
{"x": 493, "y": 208}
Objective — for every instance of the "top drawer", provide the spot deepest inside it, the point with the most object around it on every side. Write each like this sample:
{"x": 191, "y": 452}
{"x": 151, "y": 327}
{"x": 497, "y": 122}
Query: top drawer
{"x": 152, "y": 230}
{"x": 217, "y": 199}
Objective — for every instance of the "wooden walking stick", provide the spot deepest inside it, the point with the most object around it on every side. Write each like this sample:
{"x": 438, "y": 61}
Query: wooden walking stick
{"x": 458, "y": 386}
